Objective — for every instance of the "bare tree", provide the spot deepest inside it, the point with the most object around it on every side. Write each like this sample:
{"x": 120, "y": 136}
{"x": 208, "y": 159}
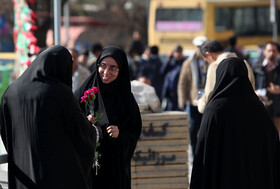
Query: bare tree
{"x": 122, "y": 21}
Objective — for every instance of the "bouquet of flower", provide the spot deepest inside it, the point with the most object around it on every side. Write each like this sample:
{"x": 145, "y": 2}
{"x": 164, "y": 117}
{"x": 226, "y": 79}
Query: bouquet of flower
{"x": 88, "y": 98}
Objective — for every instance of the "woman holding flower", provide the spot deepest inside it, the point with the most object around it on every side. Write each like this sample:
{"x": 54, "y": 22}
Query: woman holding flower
{"x": 120, "y": 118}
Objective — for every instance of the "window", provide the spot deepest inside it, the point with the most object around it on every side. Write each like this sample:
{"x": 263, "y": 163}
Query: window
{"x": 244, "y": 21}
{"x": 223, "y": 19}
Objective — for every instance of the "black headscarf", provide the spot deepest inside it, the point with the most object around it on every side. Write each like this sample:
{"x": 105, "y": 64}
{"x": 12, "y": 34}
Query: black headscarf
{"x": 232, "y": 79}
{"x": 118, "y": 107}
{"x": 114, "y": 94}
{"x": 238, "y": 144}
{"x": 50, "y": 142}
{"x": 51, "y": 64}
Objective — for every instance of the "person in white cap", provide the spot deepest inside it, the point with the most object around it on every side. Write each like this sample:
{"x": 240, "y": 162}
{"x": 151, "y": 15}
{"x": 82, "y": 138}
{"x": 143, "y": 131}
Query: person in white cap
{"x": 191, "y": 82}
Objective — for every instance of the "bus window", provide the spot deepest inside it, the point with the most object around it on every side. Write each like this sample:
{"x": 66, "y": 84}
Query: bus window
{"x": 264, "y": 27}
{"x": 223, "y": 19}
{"x": 244, "y": 21}
{"x": 178, "y": 19}
{"x": 252, "y": 21}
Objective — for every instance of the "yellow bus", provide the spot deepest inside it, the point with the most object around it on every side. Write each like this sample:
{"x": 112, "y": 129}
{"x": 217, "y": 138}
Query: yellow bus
{"x": 179, "y": 21}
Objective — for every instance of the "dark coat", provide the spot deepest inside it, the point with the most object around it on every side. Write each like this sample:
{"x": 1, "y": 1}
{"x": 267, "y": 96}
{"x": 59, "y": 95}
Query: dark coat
{"x": 171, "y": 71}
{"x": 238, "y": 144}
{"x": 150, "y": 69}
{"x": 118, "y": 106}
{"x": 50, "y": 143}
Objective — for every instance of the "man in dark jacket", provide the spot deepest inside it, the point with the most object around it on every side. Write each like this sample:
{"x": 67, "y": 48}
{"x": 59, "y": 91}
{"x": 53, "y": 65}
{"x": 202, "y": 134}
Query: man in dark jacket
{"x": 150, "y": 70}
{"x": 171, "y": 71}
{"x": 267, "y": 73}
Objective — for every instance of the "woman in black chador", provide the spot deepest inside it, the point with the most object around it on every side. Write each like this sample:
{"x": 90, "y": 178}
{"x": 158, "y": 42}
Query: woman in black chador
{"x": 238, "y": 144}
{"x": 120, "y": 122}
{"x": 50, "y": 142}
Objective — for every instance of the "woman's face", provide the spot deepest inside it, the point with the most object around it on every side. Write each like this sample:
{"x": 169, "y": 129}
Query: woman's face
{"x": 108, "y": 70}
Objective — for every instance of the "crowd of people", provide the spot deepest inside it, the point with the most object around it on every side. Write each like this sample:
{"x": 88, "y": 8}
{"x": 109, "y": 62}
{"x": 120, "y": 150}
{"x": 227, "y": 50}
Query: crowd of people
{"x": 52, "y": 132}
{"x": 233, "y": 128}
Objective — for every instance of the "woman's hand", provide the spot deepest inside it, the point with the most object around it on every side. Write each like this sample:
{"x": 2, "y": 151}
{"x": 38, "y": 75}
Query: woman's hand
{"x": 113, "y": 131}
{"x": 91, "y": 118}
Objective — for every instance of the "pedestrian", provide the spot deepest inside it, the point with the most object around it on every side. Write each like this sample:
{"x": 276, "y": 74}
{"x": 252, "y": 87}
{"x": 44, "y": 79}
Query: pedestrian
{"x": 84, "y": 58}
{"x": 150, "y": 70}
{"x": 170, "y": 71}
{"x": 80, "y": 72}
{"x": 133, "y": 64}
{"x": 231, "y": 47}
{"x": 213, "y": 52}
{"x": 96, "y": 50}
{"x": 137, "y": 43}
{"x": 238, "y": 144}
{"x": 120, "y": 122}
{"x": 50, "y": 143}
{"x": 268, "y": 77}
{"x": 191, "y": 82}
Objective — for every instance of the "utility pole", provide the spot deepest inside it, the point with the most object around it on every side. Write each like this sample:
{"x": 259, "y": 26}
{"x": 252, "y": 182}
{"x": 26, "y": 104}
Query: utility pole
{"x": 57, "y": 18}
{"x": 273, "y": 19}
{"x": 66, "y": 15}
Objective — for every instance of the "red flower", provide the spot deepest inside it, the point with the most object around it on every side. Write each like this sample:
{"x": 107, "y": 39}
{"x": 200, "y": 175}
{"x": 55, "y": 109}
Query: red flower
{"x": 83, "y": 98}
{"x": 89, "y": 95}
{"x": 95, "y": 90}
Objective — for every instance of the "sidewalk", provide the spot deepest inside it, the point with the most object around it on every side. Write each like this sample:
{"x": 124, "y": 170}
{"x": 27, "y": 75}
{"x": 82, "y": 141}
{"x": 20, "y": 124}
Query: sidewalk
{"x": 4, "y": 176}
